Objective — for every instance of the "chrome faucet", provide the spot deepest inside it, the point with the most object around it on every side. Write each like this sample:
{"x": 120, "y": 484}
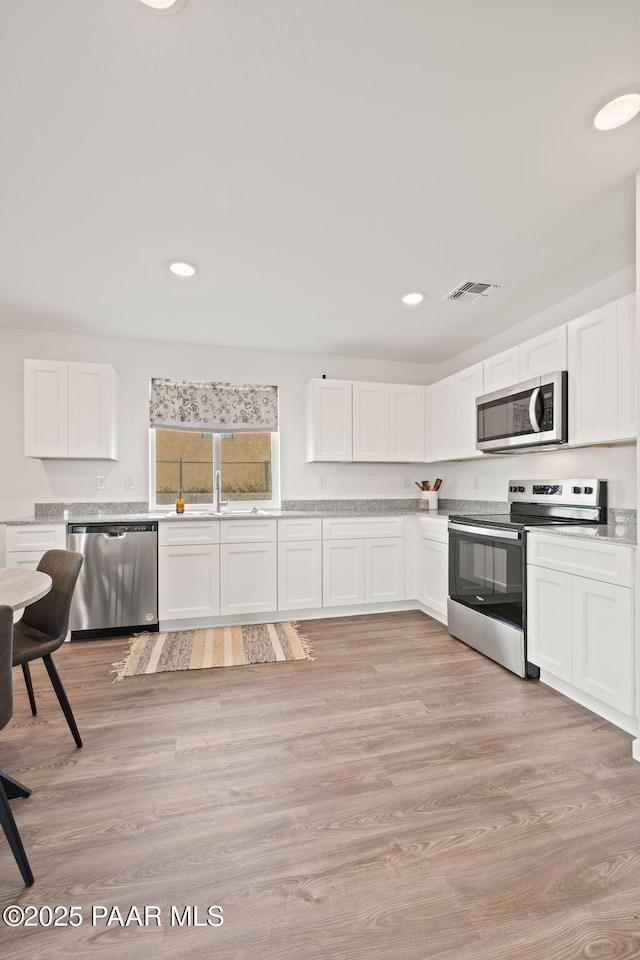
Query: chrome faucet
{"x": 217, "y": 502}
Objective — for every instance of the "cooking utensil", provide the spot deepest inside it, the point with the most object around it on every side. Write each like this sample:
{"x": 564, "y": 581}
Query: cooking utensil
{"x": 437, "y": 484}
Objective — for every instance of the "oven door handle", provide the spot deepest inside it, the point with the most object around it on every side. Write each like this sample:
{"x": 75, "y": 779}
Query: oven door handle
{"x": 494, "y": 532}
{"x": 533, "y": 403}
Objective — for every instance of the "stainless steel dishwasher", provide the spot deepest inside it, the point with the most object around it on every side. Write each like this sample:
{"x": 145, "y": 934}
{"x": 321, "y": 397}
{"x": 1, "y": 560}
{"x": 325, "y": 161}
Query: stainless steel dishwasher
{"x": 117, "y": 590}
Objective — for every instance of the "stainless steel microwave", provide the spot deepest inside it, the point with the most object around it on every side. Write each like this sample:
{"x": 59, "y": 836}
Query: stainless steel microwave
{"x": 529, "y": 414}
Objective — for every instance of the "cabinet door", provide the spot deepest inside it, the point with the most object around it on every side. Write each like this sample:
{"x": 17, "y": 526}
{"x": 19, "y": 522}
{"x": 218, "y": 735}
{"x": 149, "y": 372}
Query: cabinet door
{"x": 627, "y": 364}
{"x": 546, "y": 353}
{"x": 503, "y": 370}
{"x": 470, "y": 386}
{"x": 329, "y": 420}
{"x": 384, "y": 570}
{"x": 91, "y": 419}
{"x": 299, "y": 574}
{"x": 549, "y": 627}
{"x": 46, "y": 406}
{"x": 248, "y": 578}
{"x": 443, "y": 418}
{"x": 603, "y": 661}
{"x": 342, "y": 572}
{"x": 406, "y": 423}
{"x": 433, "y": 571}
{"x": 188, "y": 579}
{"x": 593, "y": 387}
{"x": 370, "y": 421}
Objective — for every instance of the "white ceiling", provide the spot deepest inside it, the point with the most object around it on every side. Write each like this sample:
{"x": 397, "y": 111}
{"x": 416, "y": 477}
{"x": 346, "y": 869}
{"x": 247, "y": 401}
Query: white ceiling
{"x": 316, "y": 160}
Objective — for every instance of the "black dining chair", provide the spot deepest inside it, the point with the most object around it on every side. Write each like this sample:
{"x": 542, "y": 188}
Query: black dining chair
{"x": 8, "y": 786}
{"x": 44, "y": 627}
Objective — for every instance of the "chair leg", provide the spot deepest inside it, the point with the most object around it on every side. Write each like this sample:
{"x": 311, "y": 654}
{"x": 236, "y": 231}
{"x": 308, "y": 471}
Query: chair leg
{"x": 62, "y": 698}
{"x": 27, "y": 679}
{"x": 13, "y": 788}
{"x": 11, "y": 832}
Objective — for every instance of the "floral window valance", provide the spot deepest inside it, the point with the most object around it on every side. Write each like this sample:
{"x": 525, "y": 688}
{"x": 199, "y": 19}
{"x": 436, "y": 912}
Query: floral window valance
{"x": 213, "y": 407}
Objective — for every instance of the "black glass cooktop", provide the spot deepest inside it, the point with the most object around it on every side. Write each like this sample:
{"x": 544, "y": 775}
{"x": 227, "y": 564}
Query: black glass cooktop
{"x": 519, "y": 523}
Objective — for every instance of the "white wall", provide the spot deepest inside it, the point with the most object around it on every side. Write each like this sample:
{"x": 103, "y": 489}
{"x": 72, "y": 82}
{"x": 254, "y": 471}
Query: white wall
{"x": 24, "y": 481}
{"x": 617, "y": 285}
{"x": 486, "y": 478}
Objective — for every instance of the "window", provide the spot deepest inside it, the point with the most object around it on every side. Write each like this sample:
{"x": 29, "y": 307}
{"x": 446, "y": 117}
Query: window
{"x": 248, "y": 464}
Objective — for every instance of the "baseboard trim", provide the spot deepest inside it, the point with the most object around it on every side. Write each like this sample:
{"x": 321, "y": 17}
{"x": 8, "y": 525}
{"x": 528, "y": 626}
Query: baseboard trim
{"x": 629, "y": 724}
{"x": 317, "y": 613}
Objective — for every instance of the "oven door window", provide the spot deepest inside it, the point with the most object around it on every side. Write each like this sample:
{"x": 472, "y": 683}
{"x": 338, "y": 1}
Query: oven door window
{"x": 487, "y": 574}
{"x": 510, "y": 416}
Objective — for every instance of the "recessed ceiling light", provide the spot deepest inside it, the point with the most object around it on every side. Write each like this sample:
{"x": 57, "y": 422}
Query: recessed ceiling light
{"x": 412, "y": 298}
{"x": 165, "y": 6}
{"x": 617, "y": 112}
{"x": 182, "y": 268}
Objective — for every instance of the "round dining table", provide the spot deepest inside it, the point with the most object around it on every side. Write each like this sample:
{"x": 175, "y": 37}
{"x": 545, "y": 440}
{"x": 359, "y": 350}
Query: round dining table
{"x": 20, "y": 587}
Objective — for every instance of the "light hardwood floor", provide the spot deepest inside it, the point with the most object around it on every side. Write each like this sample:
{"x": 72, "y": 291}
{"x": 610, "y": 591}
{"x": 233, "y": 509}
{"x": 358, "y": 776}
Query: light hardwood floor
{"x": 399, "y": 798}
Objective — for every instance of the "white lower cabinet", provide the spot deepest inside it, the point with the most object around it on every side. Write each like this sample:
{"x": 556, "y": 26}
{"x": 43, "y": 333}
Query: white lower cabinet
{"x": 549, "y": 629}
{"x": 384, "y": 570}
{"x": 26, "y": 545}
{"x": 188, "y": 581}
{"x": 581, "y": 630}
{"x": 248, "y": 578}
{"x": 343, "y": 572}
{"x": 433, "y": 575}
{"x": 363, "y": 560}
{"x": 299, "y": 574}
{"x": 603, "y": 642}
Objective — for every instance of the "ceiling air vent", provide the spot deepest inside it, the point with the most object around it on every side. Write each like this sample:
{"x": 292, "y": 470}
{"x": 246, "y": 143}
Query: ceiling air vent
{"x": 470, "y": 290}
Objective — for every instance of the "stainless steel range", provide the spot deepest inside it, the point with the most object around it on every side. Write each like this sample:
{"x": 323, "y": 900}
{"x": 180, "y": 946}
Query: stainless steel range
{"x": 487, "y": 603}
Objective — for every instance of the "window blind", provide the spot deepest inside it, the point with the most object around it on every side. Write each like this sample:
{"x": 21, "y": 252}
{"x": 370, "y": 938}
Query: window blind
{"x": 212, "y": 407}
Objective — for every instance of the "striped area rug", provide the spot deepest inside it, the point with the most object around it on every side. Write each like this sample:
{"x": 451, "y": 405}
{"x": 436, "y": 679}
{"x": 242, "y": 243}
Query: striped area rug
{"x": 213, "y": 647}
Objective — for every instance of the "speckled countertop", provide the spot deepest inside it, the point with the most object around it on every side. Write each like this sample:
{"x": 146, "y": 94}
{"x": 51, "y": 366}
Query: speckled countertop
{"x": 620, "y": 533}
{"x": 621, "y": 529}
{"x": 50, "y": 513}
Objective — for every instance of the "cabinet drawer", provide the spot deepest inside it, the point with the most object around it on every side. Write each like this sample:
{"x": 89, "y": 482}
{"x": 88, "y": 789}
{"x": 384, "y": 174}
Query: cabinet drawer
{"x": 247, "y": 531}
{"x": 177, "y": 533}
{"x": 302, "y": 529}
{"x": 433, "y": 528}
{"x": 37, "y": 537}
{"x": 362, "y": 527}
{"x": 27, "y": 559}
{"x": 608, "y": 562}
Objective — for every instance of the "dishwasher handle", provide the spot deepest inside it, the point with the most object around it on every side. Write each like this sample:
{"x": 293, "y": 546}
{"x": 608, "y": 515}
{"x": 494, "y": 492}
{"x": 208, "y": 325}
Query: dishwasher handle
{"x": 115, "y": 536}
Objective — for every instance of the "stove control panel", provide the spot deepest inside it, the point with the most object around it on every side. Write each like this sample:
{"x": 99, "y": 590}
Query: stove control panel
{"x": 548, "y": 489}
{"x": 569, "y": 492}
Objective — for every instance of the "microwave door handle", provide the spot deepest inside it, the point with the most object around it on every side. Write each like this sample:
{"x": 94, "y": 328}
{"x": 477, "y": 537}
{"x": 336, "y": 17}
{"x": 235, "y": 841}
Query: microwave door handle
{"x": 533, "y": 403}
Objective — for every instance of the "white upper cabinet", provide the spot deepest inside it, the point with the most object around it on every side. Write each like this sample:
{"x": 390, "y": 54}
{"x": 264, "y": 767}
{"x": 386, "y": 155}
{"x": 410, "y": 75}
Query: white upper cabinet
{"x": 627, "y": 396}
{"x": 46, "y": 408}
{"x": 451, "y": 415}
{"x": 593, "y": 376}
{"x": 406, "y": 423}
{"x": 71, "y": 410}
{"x": 470, "y": 386}
{"x": 370, "y": 421}
{"x": 93, "y": 395}
{"x": 544, "y": 354}
{"x": 443, "y": 416}
{"x": 365, "y": 422}
{"x": 329, "y": 420}
{"x": 502, "y": 370}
